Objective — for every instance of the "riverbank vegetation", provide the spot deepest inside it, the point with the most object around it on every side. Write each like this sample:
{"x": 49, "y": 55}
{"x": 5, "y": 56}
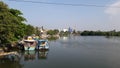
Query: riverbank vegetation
{"x": 100, "y": 33}
{"x": 12, "y": 24}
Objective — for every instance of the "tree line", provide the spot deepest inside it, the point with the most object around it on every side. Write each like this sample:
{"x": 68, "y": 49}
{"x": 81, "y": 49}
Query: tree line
{"x": 85, "y": 33}
{"x": 101, "y": 33}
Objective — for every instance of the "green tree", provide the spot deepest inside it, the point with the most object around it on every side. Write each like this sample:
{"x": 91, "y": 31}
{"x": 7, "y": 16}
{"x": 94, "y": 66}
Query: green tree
{"x": 11, "y": 24}
{"x": 37, "y": 31}
{"x": 29, "y": 30}
{"x": 53, "y": 32}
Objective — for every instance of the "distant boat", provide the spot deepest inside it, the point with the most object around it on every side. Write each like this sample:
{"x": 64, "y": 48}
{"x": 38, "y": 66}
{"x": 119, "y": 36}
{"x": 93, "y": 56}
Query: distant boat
{"x": 42, "y": 44}
{"x": 30, "y": 43}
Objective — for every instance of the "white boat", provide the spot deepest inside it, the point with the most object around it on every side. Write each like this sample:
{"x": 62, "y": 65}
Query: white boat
{"x": 29, "y": 40}
{"x": 30, "y": 44}
{"x": 42, "y": 44}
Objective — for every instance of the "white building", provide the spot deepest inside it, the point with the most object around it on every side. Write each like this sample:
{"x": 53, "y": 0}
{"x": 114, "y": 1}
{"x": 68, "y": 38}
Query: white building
{"x": 65, "y": 30}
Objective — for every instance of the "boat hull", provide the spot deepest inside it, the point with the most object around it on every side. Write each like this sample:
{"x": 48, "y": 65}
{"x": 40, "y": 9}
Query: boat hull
{"x": 30, "y": 45}
{"x": 29, "y": 48}
{"x": 46, "y": 47}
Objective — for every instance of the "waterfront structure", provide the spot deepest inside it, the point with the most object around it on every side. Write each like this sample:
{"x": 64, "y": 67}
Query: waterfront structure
{"x": 65, "y": 30}
{"x": 70, "y": 30}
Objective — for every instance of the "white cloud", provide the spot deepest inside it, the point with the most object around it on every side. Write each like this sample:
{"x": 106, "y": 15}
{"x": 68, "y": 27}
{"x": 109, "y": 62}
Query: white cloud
{"x": 113, "y": 9}
{"x": 113, "y": 13}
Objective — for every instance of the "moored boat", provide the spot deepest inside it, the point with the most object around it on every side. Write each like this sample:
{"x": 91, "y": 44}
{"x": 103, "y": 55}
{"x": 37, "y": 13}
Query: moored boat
{"x": 42, "y": 44}
{"x": 30, "y": 43}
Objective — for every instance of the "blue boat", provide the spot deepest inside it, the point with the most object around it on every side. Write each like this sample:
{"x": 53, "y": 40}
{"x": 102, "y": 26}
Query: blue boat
{"x": 42, "y": 44}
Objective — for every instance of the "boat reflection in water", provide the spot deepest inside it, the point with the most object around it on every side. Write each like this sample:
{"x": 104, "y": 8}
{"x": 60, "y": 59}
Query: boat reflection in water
{"x": 33, "y": 55}
{"x": 29, "y": 55}
{"x": 14, "y": 61}
{"x": 42, "y": 54}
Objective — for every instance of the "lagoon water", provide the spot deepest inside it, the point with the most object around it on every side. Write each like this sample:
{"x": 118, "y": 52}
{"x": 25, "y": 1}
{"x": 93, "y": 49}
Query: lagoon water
{"x": 71, "y": 52}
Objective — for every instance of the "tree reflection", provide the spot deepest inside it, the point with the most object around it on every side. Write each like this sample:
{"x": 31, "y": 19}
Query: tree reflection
{"x": 10, "y": 61}
{"x": 32, "y": 55}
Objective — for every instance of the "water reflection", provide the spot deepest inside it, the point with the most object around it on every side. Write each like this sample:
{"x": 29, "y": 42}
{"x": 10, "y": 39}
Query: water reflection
{"x": 10, "y": 61}
{"x": 29, "y": 55}
{"x": 52, "y": 38}
{"x": 10, "y": 58}
{"x": 65, "y": 38}
{"x": 13, "y": 61}
{"x": 70, "y": 42}
{"x": 42, "y": 54}
{"x": 32, "y": 55}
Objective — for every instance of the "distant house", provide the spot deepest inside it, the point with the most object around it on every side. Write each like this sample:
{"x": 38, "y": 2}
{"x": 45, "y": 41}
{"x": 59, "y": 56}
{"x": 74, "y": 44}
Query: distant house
{"x": 43, "y": 32}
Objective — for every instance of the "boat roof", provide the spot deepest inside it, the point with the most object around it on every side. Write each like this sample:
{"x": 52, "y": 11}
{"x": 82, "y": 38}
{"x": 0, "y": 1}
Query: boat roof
{"x": 29, "y": 40}
{"x": 42, "y": 40}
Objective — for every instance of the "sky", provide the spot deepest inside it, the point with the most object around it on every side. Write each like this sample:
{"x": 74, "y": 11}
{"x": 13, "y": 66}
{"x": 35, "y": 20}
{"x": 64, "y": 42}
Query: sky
{"x": 65, "y": 16}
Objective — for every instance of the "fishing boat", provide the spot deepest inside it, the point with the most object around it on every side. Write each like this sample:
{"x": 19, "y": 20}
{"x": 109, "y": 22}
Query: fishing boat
{"x": 30, "y": 43}
{"x": 42, "y": 44}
